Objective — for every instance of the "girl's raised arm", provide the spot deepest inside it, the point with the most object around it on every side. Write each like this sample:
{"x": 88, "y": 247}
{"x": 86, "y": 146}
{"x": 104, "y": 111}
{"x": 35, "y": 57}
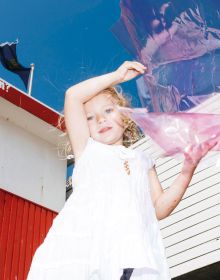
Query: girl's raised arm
{"x": 74, "y": 113}
{"x": 77, "y": 95}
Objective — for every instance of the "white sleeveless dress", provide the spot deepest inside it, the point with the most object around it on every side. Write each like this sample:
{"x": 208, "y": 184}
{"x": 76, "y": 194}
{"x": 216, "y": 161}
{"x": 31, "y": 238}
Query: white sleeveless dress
{"x": 107, "y": 224}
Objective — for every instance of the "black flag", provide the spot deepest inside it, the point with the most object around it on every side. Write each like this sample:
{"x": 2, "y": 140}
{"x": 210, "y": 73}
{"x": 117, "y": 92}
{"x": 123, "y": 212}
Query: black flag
{"x": 8, "y": 58}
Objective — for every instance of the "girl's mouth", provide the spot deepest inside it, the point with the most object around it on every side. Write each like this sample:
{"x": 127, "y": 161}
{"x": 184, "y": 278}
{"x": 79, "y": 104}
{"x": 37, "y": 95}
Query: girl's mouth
{"x": 104, "y": 129}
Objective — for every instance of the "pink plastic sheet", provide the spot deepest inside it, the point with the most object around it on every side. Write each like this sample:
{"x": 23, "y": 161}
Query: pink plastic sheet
{"x": 179, "y": 41}
{"x": 176, "y": 132}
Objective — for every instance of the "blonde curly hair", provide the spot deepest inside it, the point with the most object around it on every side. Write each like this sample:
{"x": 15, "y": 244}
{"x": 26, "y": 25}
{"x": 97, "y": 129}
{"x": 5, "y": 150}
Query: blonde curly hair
{"x": 132, "y": 132}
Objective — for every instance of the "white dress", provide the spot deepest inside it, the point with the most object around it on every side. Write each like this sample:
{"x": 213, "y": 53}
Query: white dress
{"x": 107, "y": 224}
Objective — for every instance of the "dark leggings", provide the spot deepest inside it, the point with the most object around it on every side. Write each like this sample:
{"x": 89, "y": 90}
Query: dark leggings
{"x": 126, "y": 273}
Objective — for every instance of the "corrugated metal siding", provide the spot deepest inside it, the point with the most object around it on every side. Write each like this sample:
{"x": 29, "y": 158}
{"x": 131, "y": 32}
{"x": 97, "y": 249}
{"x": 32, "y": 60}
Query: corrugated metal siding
{"x": 23, "y": 227}
{"x": 191, "y": 234}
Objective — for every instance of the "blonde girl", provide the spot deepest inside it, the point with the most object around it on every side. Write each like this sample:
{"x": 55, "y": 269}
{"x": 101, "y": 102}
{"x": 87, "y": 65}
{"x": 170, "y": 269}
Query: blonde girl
{"x": 108, "y": 229}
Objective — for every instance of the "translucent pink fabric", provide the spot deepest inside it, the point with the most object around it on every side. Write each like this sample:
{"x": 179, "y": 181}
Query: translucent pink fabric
{"x": 179, "y": 42}
{"x": 175, "y": 132}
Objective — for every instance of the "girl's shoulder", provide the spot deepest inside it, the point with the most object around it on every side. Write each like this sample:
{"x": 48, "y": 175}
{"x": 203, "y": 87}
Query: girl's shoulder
{"x": 89, "y": 142}
{"x": 147, "y": 159}
{"x": 94, "y": 149}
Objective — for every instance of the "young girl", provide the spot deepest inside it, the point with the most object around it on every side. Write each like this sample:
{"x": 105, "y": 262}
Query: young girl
{"x": 108, "y": 228}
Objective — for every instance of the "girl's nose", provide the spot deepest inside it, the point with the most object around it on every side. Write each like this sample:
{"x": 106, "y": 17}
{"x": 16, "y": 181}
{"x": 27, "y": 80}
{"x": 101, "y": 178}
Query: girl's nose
{"x": 101, "y": 119}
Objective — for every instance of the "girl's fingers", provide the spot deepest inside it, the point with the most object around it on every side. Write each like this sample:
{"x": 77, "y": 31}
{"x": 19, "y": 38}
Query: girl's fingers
{"x": 209, "y": 144}
{"x": 140, "y": 65}
{"x": 194, "y": 153}
{"x": 135, "y": 65}
{"x": 138, "y": 68}
{"x": 130, "y": 69}
{"x": 212, "y": 143}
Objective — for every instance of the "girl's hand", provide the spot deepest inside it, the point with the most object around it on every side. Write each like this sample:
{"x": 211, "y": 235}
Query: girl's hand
{"x": 195, "y": 153}
{"x": 129, "y": 70}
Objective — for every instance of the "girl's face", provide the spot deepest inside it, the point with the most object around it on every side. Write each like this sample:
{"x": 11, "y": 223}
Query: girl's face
{"x": 104, "y": 120}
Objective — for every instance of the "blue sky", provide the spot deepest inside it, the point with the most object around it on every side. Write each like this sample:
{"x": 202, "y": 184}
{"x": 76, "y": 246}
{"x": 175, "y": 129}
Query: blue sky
{"x": 68, "y": 41}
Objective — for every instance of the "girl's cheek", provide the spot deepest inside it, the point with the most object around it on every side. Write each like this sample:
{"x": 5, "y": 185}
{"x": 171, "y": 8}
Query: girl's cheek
{"x": 118, "y": 119}
{"x": 92, "y": 128}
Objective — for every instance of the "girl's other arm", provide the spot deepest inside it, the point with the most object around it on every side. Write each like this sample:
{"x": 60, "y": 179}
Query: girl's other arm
{"x": 166, "y": 201}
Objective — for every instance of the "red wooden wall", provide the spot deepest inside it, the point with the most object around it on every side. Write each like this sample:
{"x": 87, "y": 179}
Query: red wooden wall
{"x": 23, "y": 227}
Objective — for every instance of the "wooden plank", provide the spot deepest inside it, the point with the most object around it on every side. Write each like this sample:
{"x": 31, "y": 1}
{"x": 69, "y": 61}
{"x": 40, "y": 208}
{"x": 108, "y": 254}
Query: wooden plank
{"x": 30, "y": 227}
{"x": 54, "y": 215}
{"x": 195, "y": 263}
{"x": 191, "y": 210}
{"x": 164, "y": 166}
{"x": 199, "y": 181}
{"x": 200, "y": 186}
{"x": 2, "y": 205}
{"x": 192, "y": 231}
{"x": 11, "y": 235}
{"x": 168, "y": 163}
{"x": 17, "y": 240}
{"x": 172, "y": 172}
{"x": 143, "y": 144}
{"x": 198, "y": 196}
{"x": 21, "y": 268}
{"x": 36, "y": 229}
{"x": 187, "y": 221}
{"x": 4, "y": 234}
{"x": 49, "y": 220}
{"x": 193, "y": 241}
{"x": 42, "y": 224}
{"x": 195, "y": 252}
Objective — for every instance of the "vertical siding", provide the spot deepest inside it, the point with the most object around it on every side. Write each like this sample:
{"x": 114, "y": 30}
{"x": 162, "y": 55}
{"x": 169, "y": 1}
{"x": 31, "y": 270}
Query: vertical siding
{"x": 191, "y": 234}
{"x": 23, "y": 227}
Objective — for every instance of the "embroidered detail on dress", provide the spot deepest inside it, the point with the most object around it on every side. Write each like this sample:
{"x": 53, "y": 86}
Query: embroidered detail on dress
{"x": 126, "y": 154}
{"x": 126, "y": 166}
